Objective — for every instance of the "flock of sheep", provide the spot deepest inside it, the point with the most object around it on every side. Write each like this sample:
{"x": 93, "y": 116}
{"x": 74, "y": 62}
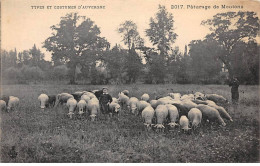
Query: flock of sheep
{"x": 186, "y": 111}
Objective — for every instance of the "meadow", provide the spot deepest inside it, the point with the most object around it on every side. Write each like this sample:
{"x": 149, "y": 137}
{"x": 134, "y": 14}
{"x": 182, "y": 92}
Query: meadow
{"x": 49, "y": 136}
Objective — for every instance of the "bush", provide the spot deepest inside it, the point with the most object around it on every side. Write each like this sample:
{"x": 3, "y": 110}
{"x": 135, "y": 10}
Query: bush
{"x": 59, "y": 72}
{"x": 12, "y": 75}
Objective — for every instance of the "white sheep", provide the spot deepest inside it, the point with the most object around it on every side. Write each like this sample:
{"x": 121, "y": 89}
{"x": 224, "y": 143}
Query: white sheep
{"x": 147, "y": 116}
{"x": 71, "y": 104}
{"x": 174, "y": 95}
{"x": 145, "y": 97}
{"x": 85, "y": 97}
{"x": 12, "y": 103}
{"x": 2, "y": 105}
{"x": 173, "y": 115}
{"x": 123, "y": 100}
{"x": 199, "y": 95}
{"x": 114, "y": 108}
{"x": 142, "y": 105}
{"x": 133, "y": 103}
{"x": 210, "y": 113}
{"x": 161, "y": 113}
{"x": 195, "y": 117}
{"x": 184, "y": 123}
{"x": 43, "y": 98}
{"x": 223, "y": 113}
{"x": 125, "y": 92}
{"x": 154, "y": 103}
{"x": 81, "y": 105}
{"x": 93, "y": 108}
{"x": 89, "y": 94}
{"x": 115, "y": 100}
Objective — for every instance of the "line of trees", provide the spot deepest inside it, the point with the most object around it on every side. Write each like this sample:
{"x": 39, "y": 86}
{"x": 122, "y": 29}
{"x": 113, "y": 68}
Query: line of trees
{"x": 80, "y": 53}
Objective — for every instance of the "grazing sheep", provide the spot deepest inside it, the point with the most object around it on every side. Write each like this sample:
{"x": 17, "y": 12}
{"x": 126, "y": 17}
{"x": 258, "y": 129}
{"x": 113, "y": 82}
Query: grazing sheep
{"x": 85, "y": 97}
{"x": 62, "y": 98}
{"x": 5, "y": 98}
{"x": 123, "y": 100}
{"x": 210, "y": 113}
{"x": 147, "y": 116}
{"x": 217, "y": 98}
{"x": 184, "y": 123}
{"x": 145, "y": 97}
{"x": 125, "y": 92}
{"x": 195, "y": 117}
{"x": 173, "y": 114}
{"x": 46, "y": 101}
{"x": 93, "y": 108}
{"x": 164, "y": 101}
{"x": 12, "y": 103}
{"x": 115, "y": 100}
{"x": 114, "y": 109}
{"x": 133, "y": 103}
{"x": 187, "y": 97}
{"x": 175, "y": 95}
{"x": 71, "y": 104}
{"x": 43, "y": 98}
{"x": 154, "y": 103}
{"x": 2, "y": 105}
{"x": 142, "y": 105}
{"x": 184, "y": 106}
{"x": 82, "y": 105}
{"x": 206, "y": 102}
{"x": 90, "y": 95}
{"x": 161, "y": 113}
{"x": 77, "y": 95}
{"x": 199, "y": 95}
{"x": 223, "y": 113}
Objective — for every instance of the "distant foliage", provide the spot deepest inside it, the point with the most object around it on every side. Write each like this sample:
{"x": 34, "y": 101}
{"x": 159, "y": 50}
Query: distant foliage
{"x": 81, "y": 55}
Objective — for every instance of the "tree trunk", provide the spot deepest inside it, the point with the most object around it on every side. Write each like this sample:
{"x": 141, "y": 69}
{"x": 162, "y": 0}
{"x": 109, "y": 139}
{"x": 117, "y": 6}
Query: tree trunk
{"x": 72, "y": 74}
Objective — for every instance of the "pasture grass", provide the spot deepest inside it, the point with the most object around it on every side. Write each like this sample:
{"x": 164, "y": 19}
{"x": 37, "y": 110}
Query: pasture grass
{"x": 49, "y": 136}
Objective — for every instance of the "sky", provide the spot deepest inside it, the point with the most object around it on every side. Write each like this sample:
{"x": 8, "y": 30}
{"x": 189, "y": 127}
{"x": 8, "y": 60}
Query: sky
{"x": 22, "y": 25}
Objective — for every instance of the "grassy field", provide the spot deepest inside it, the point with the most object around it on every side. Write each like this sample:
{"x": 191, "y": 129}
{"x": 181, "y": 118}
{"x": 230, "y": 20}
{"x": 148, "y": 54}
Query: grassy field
{"x": 49, "y": 136}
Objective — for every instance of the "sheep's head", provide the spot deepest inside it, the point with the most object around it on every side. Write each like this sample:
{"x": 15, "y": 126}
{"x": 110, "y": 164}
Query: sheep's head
{"x": 117, "y": 108}
{"x": 134, "y": 109}
{"x": 159, "y": 126}
{"x": 186, "y": 129}
{"x": 148, "y": 126}
{"x": 195, "y": 125}
{"x": 81, "y": 111}
{"x": 70, "y": 114}
{"x": 93, "y": 117}
{"x": 173, "y": 124}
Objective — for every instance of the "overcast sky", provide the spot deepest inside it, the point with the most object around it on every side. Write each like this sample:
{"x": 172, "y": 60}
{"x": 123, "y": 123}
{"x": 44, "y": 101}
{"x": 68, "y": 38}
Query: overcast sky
{"x": 23, "y": 26}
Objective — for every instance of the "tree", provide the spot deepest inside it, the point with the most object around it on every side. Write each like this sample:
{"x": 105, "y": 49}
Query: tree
{"x": 76, "y": 39}
{"x": 228, "y": 29}
{"x": 130, "y": 35}
{"x": 133, "y": 65}
{"x": 201, "y": 52}
{"x": 36, "y": 55}
{"x": 26, "y": 57}
{"x": 161, "y": 31}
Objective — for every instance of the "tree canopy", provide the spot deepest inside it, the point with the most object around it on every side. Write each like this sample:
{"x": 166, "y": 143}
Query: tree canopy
{"x": 74, "y": 39}
{"x": 161, "y": 31}
{"x": 228, "y": 29}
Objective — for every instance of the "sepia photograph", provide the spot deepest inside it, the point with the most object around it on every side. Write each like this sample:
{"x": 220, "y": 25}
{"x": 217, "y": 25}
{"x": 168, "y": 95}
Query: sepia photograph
{"x": 129, "y": 81}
